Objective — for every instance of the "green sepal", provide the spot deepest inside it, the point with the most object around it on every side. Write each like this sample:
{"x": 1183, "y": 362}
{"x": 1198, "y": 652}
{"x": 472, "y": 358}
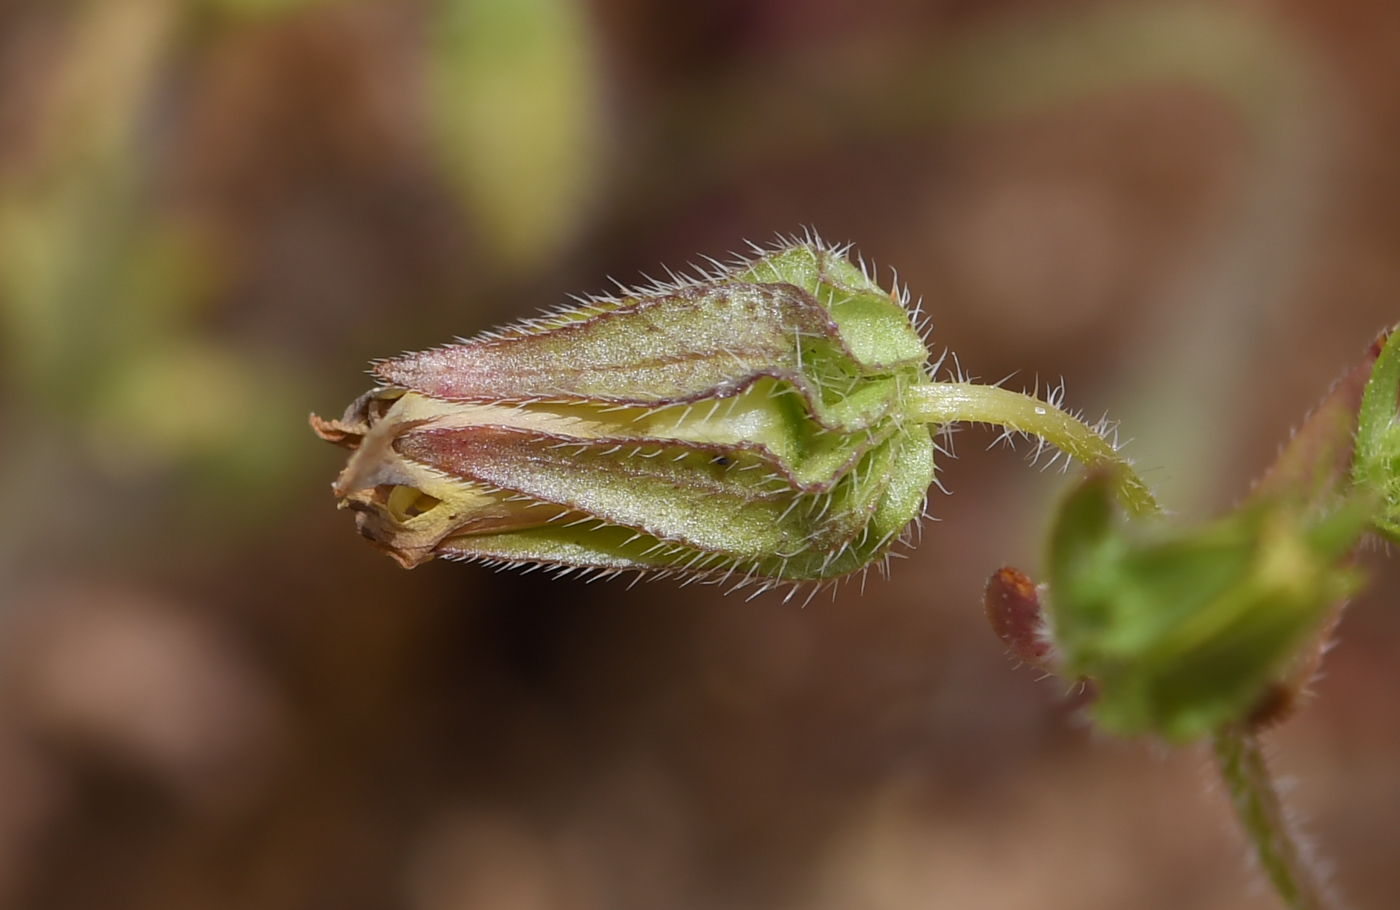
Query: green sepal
{"x": 684, "y": 504}
{"x": 873, "y": 324}
{"x": 721, "y": 499}
{"x": 801, "y": 316}
{"x": 1377, "y": 462}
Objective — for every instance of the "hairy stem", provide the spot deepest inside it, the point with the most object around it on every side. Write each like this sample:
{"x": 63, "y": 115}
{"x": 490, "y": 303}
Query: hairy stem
{"x": 1282, "y": 858}
{"x": 958, "y": 402}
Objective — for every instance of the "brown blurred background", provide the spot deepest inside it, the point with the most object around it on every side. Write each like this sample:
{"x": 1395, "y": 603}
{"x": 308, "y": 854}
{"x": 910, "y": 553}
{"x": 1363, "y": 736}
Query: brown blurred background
{"x": 213, "y": 213}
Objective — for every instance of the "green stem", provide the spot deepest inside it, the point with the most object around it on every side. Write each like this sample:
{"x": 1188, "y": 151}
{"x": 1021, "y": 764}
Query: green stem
{"x": 959, "y": 402}
{"x": 1281, "y": 856}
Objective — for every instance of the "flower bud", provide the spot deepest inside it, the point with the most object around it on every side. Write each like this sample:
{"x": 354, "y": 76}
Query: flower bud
{"x": 1190, "y": 632}
{"x": 752, "y": 423}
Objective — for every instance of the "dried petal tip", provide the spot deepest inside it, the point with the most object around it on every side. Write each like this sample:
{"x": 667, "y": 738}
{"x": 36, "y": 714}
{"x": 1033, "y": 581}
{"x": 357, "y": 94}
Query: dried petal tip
{"x": 752, "y": 423}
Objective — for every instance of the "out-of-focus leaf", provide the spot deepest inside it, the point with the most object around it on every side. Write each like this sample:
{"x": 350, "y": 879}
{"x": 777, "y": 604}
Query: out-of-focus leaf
{"x": 514, "y": 103}
{"x": 170, "y": 402}
{"x": 98, "y": 287}
{"x": 1186, "y": 633}
{"x": 265, "y": 8}
{"x": 67, "y": 221}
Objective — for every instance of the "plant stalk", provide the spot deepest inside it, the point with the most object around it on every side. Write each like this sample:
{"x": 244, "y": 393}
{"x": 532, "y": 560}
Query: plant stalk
{"x": 1282, "y": 857}
{"x": 965, "y": 402}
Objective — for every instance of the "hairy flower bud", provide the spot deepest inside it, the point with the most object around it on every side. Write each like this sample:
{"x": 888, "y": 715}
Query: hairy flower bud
{"x": 1187, "y": 632}
{"x": 753, "y": 423}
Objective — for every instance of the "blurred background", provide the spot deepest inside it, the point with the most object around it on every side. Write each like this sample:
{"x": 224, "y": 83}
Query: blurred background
{"x": 214, "y": 213}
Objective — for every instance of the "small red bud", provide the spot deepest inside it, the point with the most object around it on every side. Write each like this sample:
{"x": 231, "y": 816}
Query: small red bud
{"x": 1012, "y": 601}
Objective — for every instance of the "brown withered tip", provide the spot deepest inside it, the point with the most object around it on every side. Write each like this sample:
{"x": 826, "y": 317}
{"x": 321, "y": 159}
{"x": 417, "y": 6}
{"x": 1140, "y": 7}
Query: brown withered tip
{"x": 1012, "y": 602}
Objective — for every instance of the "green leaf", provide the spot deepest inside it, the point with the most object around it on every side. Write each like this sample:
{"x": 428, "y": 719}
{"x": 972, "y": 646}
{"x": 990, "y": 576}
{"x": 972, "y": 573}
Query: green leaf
{"x": 1377, "y": 466}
